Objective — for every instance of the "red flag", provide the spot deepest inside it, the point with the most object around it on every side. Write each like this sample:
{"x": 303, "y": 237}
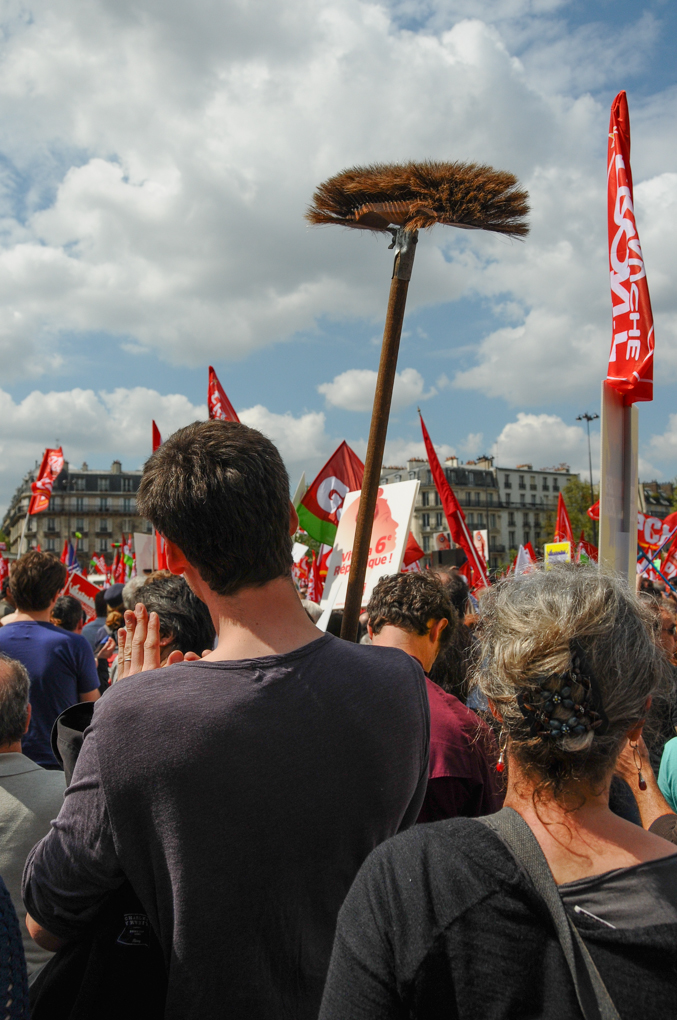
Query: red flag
{"x": 563, "y": 532}
{"x": 413, "y": 552}
{"x": 530, "y": 549}
{"x": 157, "y": 438}
{"x": 320, "y": 509}
{"x": 218, "y": 403}
{"x": 588, "y": 548}
{"x": 51, "y": 467}
{"x": 4, "y": 569}
{"x": 314, "y": 591}
{"x": 84, "y": 591}
{"x": 632, "y": 344}
{"x": 593, "y": 511}
{"x": 454, "y": 514}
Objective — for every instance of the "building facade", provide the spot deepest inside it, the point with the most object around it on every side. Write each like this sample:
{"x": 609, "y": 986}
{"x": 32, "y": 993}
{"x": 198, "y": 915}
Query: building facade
{"x": 510, "y": 504}
{"x": 656, "y": 499}
{"x": 98, "y": 505}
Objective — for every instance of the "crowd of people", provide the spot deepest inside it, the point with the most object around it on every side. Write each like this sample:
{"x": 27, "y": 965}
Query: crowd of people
{"x": 211, "y": 807}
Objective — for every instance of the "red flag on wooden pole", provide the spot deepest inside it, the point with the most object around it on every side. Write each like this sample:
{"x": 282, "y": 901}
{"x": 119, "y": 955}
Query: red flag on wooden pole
{"x": 455, "y": 517}
{"x": 51, "y": 467}
{"x": 632, "y": 345}
{"x": 218, "y": 403}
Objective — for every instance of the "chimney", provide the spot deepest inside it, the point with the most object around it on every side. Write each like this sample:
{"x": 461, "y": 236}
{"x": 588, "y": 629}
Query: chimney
{"x": 116, "y": 467}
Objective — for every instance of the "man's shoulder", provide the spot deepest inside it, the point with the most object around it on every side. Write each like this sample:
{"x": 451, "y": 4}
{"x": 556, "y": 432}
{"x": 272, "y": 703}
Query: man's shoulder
{"x": 41, "y": 789}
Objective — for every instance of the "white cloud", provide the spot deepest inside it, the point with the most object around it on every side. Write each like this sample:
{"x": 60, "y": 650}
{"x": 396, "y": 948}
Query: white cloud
{"x": 103, "y": 426}
{"x": 544, "y": 440}
{"x": 354, "y": 389}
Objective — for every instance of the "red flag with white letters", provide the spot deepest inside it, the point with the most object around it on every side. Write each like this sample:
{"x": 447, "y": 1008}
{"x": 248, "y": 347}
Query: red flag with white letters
{"x": 218, "y": 403}
{"x": 50, "y": 469}
{"x": 632, "y": 344}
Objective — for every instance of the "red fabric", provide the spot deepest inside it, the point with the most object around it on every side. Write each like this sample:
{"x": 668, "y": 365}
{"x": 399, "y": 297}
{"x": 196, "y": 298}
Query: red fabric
{"x": 4, "y": 568}
{"x": 218, "y": 403}
{"x": 530, "y": 549}
{"x": 455, "y": 517}
{"x": 157, "y": 438}
{"x": 593, "y": 511}
{"x": 413, "y": 551}
{"x": 314, "y": 590}
{"x": 632, "y": 343}
{"x": 84, "y": 591}
{"x": 51, "y": 467}
{"x": 160, "y": 552}
{"x": 461, "y": 777}
{"x": 340, "y": 475}
{"x": 586, "y": 547}
{"x": 563, "y": 532}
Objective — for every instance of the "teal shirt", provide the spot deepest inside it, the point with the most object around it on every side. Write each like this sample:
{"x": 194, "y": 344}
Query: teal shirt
{"x": 667, "y": 774}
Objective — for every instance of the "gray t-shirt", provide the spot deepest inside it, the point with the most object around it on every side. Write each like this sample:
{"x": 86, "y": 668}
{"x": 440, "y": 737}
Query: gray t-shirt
{"x": 30, "y": 797}
{"x": 240, "y": 799}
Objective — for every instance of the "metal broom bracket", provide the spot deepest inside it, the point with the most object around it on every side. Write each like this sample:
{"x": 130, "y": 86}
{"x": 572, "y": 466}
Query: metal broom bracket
{"x": 404, "y": 242}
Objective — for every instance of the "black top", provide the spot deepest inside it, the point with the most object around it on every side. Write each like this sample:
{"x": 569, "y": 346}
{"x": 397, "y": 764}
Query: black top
{"x": 239, "y": 799}
{"x": 441, "y": 923}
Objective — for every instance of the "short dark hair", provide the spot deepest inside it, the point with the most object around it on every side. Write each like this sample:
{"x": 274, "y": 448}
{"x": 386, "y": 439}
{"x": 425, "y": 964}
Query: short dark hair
{"x": 35, "y": 579}
{"x": 181, "y": 612}
{"x": 68, "y": 611}
{"x": 220, "y": 491}
{"x": 100, "y": 606}
{"x": 14, "y": 687}
{"x": 456, "y": 588}
{"x": 410, "y": 601}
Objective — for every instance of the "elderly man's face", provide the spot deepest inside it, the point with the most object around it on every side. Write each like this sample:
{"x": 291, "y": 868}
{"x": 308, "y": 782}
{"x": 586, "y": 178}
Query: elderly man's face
{"x": 668, "y": 638}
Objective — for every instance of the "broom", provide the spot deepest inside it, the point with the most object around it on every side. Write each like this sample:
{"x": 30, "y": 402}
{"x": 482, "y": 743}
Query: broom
{"x": 402, "y": 199}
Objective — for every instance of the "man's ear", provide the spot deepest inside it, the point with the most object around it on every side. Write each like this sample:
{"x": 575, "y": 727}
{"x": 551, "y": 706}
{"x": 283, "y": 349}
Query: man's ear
{"x": 28, "y": 717}
{"x": 436, "y": 629}
{"x": 370, "y": 631}
{"x": 176, "y": 561}
{"x": 293, "y": 519}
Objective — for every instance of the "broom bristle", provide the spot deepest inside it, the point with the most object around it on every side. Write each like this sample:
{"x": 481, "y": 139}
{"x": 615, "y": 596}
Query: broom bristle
{"x": 419, "y": 195}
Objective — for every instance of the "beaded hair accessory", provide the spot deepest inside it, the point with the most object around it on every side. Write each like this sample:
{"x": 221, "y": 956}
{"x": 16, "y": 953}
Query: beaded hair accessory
{"x": 566, "y": 704}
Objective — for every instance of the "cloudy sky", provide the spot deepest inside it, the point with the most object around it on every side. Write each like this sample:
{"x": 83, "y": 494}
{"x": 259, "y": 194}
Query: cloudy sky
{"x": 156, "y": 159}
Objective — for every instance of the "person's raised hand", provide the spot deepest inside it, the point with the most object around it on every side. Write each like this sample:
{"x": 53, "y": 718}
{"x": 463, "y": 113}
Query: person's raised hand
{"x": 106, "y": 650}
{"x": 138, "y": 642}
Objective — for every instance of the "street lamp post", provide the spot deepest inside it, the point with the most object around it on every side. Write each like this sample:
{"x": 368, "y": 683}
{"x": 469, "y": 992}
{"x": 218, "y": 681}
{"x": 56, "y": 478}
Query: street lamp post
{"x": 587, "y": 418}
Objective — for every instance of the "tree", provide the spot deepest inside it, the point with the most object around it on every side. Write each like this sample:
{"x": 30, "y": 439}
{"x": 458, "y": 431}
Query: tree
{"x": 577, "y": 498}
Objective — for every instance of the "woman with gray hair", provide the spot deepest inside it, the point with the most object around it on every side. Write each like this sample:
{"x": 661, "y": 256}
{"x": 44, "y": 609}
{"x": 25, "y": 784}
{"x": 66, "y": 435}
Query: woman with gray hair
{"x": 555, "y": 907}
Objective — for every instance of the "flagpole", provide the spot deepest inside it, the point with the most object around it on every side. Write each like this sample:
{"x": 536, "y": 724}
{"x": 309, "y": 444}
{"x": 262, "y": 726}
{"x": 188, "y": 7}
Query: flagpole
{"x": 23, "y": 532}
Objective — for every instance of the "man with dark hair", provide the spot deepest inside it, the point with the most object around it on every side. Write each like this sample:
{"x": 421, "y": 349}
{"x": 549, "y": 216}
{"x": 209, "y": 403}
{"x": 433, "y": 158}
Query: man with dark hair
{"x": 239, "y": 793}
{"x": 69, "y": 614}
{"x": 30, "y": 797}
{"x": 413, "y": 612}
{"x": 60, "y": 664}
{"x": 185, "y": 623}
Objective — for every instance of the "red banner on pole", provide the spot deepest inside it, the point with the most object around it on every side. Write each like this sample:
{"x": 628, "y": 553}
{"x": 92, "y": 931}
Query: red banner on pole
{"x": 632, "y": 345}
{"x": 50, "y": 469}
{"x": 84, "y": 591}
{"x": 563, "y": 532}
{"x": 454, "y": 514}
{"x": 218, "y": 403}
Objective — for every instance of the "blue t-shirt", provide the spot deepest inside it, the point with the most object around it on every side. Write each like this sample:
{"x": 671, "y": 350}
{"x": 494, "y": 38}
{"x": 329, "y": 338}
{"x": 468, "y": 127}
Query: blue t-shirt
{"x": 61, "y": 667}
{"x": 667, "y": 774}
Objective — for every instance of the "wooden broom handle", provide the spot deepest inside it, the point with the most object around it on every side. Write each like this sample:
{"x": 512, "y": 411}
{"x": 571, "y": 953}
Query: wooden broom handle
{"x": 405, "y": 242}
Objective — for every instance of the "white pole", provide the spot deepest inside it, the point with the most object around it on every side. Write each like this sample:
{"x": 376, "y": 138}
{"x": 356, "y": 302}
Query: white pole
{"x": 618, "y": 485}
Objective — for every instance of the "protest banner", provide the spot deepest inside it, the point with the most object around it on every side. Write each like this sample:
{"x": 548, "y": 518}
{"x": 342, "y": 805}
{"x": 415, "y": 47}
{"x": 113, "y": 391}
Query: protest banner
{"x": 143, "y": 550}
{"x": 84, "y": 591}
{"x": 480, "y": 540}
{"x": 389, "y": 537}
{"x": 321, "y": 505}
{"x": 556, "y": 552}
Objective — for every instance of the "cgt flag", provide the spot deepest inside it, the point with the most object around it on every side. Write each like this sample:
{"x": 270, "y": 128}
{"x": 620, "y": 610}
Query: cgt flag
{"x": 218, "y": 403}
{"x": 455, "y": 517}
{"x": 563, "y": 532}
{"x": 632, "y": 345}
{"x": 320, "y": 509}
{"x": 51, "y": 467}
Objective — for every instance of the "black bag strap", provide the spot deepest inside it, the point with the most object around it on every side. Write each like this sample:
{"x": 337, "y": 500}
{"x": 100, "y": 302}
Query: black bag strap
{"x": 591, "y": 992}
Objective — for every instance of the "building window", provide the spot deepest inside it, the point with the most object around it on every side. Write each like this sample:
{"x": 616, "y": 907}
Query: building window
{"x": 31, "y": 524}
{"x": 56, "y": 504}
{"x": 511, "y": 519}
{"x": 79, "y": 484}
{"x": 425, "y": 520}
{"x": 521, "y": 482}
{"x": 526, "y": 536}
{"x": 490, "y": 499}
{"x": 507, "y": 483}
{"x": 51, "y": 524}
{"x": 522, "y": 499}
{"x": 477, "y": 499}
{"x": 546, "y": 487}
{"x": 103, "y": 545}
{"x": 103, "y": 483}
{"x": 533, "y": 501}
{"x": 511, "y": 539}
{"x": 128, "y": 506}
{"x": 104, "y": 504}
{"x": 426, "y": 543}
{"x": 532, "y": 483}
{"x": 537, "y": 520}
{"x": 525, "y": 520}
{"x": 425, "y": 498}
{"x": 149, "y": 528}
{"x": 128, "y": 485}
{"x": 397, "y": 478}
{"x": 429, "y": 478}
{"x": 80, "y": 504}
{"x": 471, "y": 519}
{"x": 51, "y": 545}
{"x": 555, "y": 485}
{"x": 80, "y": 524}
{"x": 537, "y": 536}
{"x": 439, "y": 520}
{"x": 471, "y": 477}
{"x": 103, "y": 525}
{"x": 480, "y": 520}
{"x": 492, "y": 520}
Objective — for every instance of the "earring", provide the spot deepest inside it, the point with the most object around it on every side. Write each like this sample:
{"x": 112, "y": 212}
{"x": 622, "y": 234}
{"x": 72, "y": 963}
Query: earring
{"x": 500, "y": 764}
{"x": 637, "y": 759}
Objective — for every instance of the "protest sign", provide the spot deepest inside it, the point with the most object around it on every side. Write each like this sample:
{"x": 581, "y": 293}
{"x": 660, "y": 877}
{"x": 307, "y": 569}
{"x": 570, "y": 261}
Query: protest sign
{"x": 143, "y": 550}
{"x": 556, "y": 552}
{"x": 84, "y": 591}
{"x": 389, "y": 536}
{"x": 481, "y": 543}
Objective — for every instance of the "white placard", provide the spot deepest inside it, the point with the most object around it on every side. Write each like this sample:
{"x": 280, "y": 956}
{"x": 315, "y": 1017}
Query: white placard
{"x": 392, "y": 520}
{"x": 481, "y": 543}
{"x": 298, "y": 551}
{"x": 143, "y": 550}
